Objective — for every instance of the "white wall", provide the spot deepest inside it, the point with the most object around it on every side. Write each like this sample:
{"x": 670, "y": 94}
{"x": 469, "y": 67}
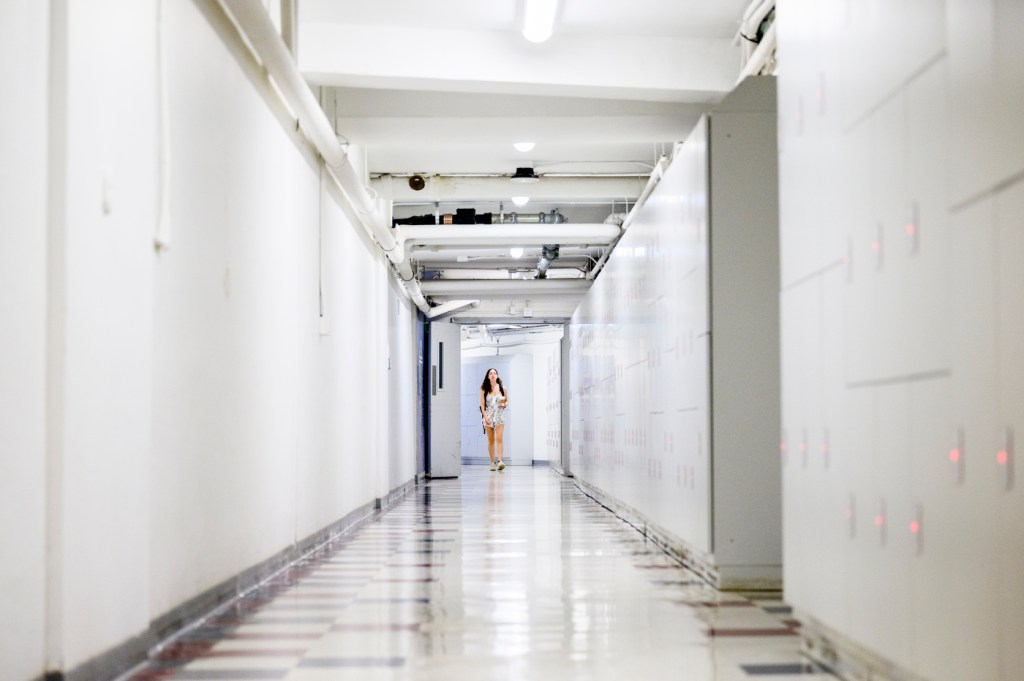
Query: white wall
{"x": 104, "y": 199}
{"x": 404, "y": 377}
{"x": 197, "y": 423}
{"x": 902, "y": 206}
{"x": 265, "y": 431}
{"x": 23, "y": 255}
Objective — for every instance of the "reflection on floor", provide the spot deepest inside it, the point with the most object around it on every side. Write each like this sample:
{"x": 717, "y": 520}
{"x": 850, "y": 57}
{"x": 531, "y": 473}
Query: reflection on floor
{"x": 505, "y": 575}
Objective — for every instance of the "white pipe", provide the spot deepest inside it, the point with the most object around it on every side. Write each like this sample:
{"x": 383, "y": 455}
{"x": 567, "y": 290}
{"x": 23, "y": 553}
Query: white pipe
{"x": 520, "y": 288}
{"x": 753, "y": 16}
{"x": 652, "y": 182}
{"x": 749, "y": 25}
{"x": 451, "y": 307}
{"x": 402, "y": 269}
{"x": 255, "y": 26}
{"x": 463, "y": 190}
{"x": 502, "y": 235}
{"x": 760, "y": 56}
{"x": 755, "y": 13}
{"x": 474, "y": 343}
{"x": 469, "y": 256}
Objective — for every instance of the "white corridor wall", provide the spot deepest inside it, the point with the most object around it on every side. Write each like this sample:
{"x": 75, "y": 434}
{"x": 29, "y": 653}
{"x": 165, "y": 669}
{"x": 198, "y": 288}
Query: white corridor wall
{"x": 169, "y": 420}
{"x": 23, "y": 288}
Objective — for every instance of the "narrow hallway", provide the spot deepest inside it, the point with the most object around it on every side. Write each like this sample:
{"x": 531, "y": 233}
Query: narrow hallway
{"x": 511, "y": 575}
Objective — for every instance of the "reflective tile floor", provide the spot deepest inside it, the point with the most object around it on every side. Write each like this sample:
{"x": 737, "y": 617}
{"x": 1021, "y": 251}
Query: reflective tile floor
{"x": 507, "y": 575}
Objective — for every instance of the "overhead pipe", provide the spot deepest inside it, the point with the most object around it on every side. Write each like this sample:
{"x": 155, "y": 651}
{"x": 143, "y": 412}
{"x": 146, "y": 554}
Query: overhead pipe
{"x": 443, "y": 310}
{"x": 656, "y": 174}
{"x": 255, "y": 26}
{"x": 756, "y": 49}
{"x": 547, "y": 256}
{"x": 553, "y": 217}
{"x": 518, "y": 288}
{"x": 755, "y": 13}
{"x": 759, "y": 59}
{"x": 506, "y": 235}
{"x": 468, "y": 256}
{"x": 467, "y": 190}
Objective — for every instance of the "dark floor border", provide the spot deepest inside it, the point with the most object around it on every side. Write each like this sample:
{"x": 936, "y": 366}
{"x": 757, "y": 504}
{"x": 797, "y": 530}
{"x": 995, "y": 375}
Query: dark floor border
{"x": 483, "y": 461}
{"x": 397, "y": 494}
{"x": 122, "y": 659}
{"x": 557, "y": 467}
{"x": 844, "y": 657}
{"x": 665, "y": 541}
{"x": 675, "y": 547}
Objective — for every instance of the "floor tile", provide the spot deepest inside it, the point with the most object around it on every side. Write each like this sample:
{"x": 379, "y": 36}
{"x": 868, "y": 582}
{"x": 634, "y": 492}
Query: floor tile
{"x": 509, "y": 577}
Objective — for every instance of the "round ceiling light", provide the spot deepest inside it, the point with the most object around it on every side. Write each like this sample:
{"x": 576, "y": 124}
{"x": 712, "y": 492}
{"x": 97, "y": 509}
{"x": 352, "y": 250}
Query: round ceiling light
{"x": 524, "y": 146}
{"x": 520, "y": 200}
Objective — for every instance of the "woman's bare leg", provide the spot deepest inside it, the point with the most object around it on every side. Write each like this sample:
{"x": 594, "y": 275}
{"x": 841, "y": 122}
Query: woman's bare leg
{"x": 490, "y": 441}
{"x": 499, "y": 431}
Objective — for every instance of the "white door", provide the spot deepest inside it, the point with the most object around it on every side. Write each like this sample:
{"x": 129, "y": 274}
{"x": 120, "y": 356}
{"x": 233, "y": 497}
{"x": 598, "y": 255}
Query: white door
{"x": 445, "y": 400}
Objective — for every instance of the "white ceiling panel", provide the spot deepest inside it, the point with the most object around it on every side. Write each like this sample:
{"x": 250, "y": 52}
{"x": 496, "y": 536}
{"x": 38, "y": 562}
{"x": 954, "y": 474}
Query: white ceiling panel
{"x": 443, "y": 89}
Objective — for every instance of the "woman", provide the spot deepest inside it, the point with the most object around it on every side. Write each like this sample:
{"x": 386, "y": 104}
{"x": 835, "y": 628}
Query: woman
{"x": 493, "y": 401}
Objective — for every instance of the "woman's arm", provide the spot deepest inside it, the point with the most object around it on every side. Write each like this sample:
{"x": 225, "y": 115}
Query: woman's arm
{"x": 483, "y": 408}
{"x": 504, "y": 401}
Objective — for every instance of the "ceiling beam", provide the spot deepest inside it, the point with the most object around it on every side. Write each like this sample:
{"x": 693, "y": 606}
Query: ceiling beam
{"x": 441, "y": 188}
{"x": 507, "y": 235}
{"x": 491, "y": 288}
{"x": 651, "y": 68}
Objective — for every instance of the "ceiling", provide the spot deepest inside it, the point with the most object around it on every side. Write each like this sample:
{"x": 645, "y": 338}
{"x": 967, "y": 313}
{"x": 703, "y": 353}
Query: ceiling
{"x": 442, "y": 90}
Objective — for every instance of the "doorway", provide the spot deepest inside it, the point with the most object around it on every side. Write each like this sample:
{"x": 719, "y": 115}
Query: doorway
{"x": 528, "y": 358}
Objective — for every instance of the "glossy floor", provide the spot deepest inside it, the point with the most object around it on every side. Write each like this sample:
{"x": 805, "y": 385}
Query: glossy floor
{"x": 505, "y": 575}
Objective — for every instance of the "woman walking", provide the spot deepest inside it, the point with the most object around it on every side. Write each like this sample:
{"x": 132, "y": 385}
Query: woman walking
{"x": 493, "y": 402}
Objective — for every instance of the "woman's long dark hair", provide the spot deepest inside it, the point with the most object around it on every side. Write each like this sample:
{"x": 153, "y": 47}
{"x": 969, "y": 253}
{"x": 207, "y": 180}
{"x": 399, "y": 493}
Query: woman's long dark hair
{"x": 486, "y": 385}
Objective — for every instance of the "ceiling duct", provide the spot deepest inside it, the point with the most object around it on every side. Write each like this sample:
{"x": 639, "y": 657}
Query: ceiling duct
{"x": 553, "y": 218}
{"x": 548, "y": 255}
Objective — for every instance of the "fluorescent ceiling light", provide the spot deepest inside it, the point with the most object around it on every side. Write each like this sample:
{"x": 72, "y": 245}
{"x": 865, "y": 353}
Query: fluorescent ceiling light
{"x": 524, "y": 146}
{"x": 520, "y": 200}
{"x": 516, "y": 252}
{"x": 539, "y": 19}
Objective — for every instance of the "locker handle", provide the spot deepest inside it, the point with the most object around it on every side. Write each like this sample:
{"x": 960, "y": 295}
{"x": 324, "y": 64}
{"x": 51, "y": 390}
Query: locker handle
{"x": 440, "y": 363}
{"x": 433, "y": 380}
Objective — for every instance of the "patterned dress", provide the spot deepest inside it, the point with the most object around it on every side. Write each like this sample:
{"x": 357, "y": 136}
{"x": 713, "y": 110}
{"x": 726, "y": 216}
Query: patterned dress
{"x": 495, "y": 412}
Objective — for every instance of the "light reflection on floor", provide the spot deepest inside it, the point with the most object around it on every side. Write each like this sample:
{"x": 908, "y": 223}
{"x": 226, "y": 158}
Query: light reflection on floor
{"x": 496, "y": 575}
